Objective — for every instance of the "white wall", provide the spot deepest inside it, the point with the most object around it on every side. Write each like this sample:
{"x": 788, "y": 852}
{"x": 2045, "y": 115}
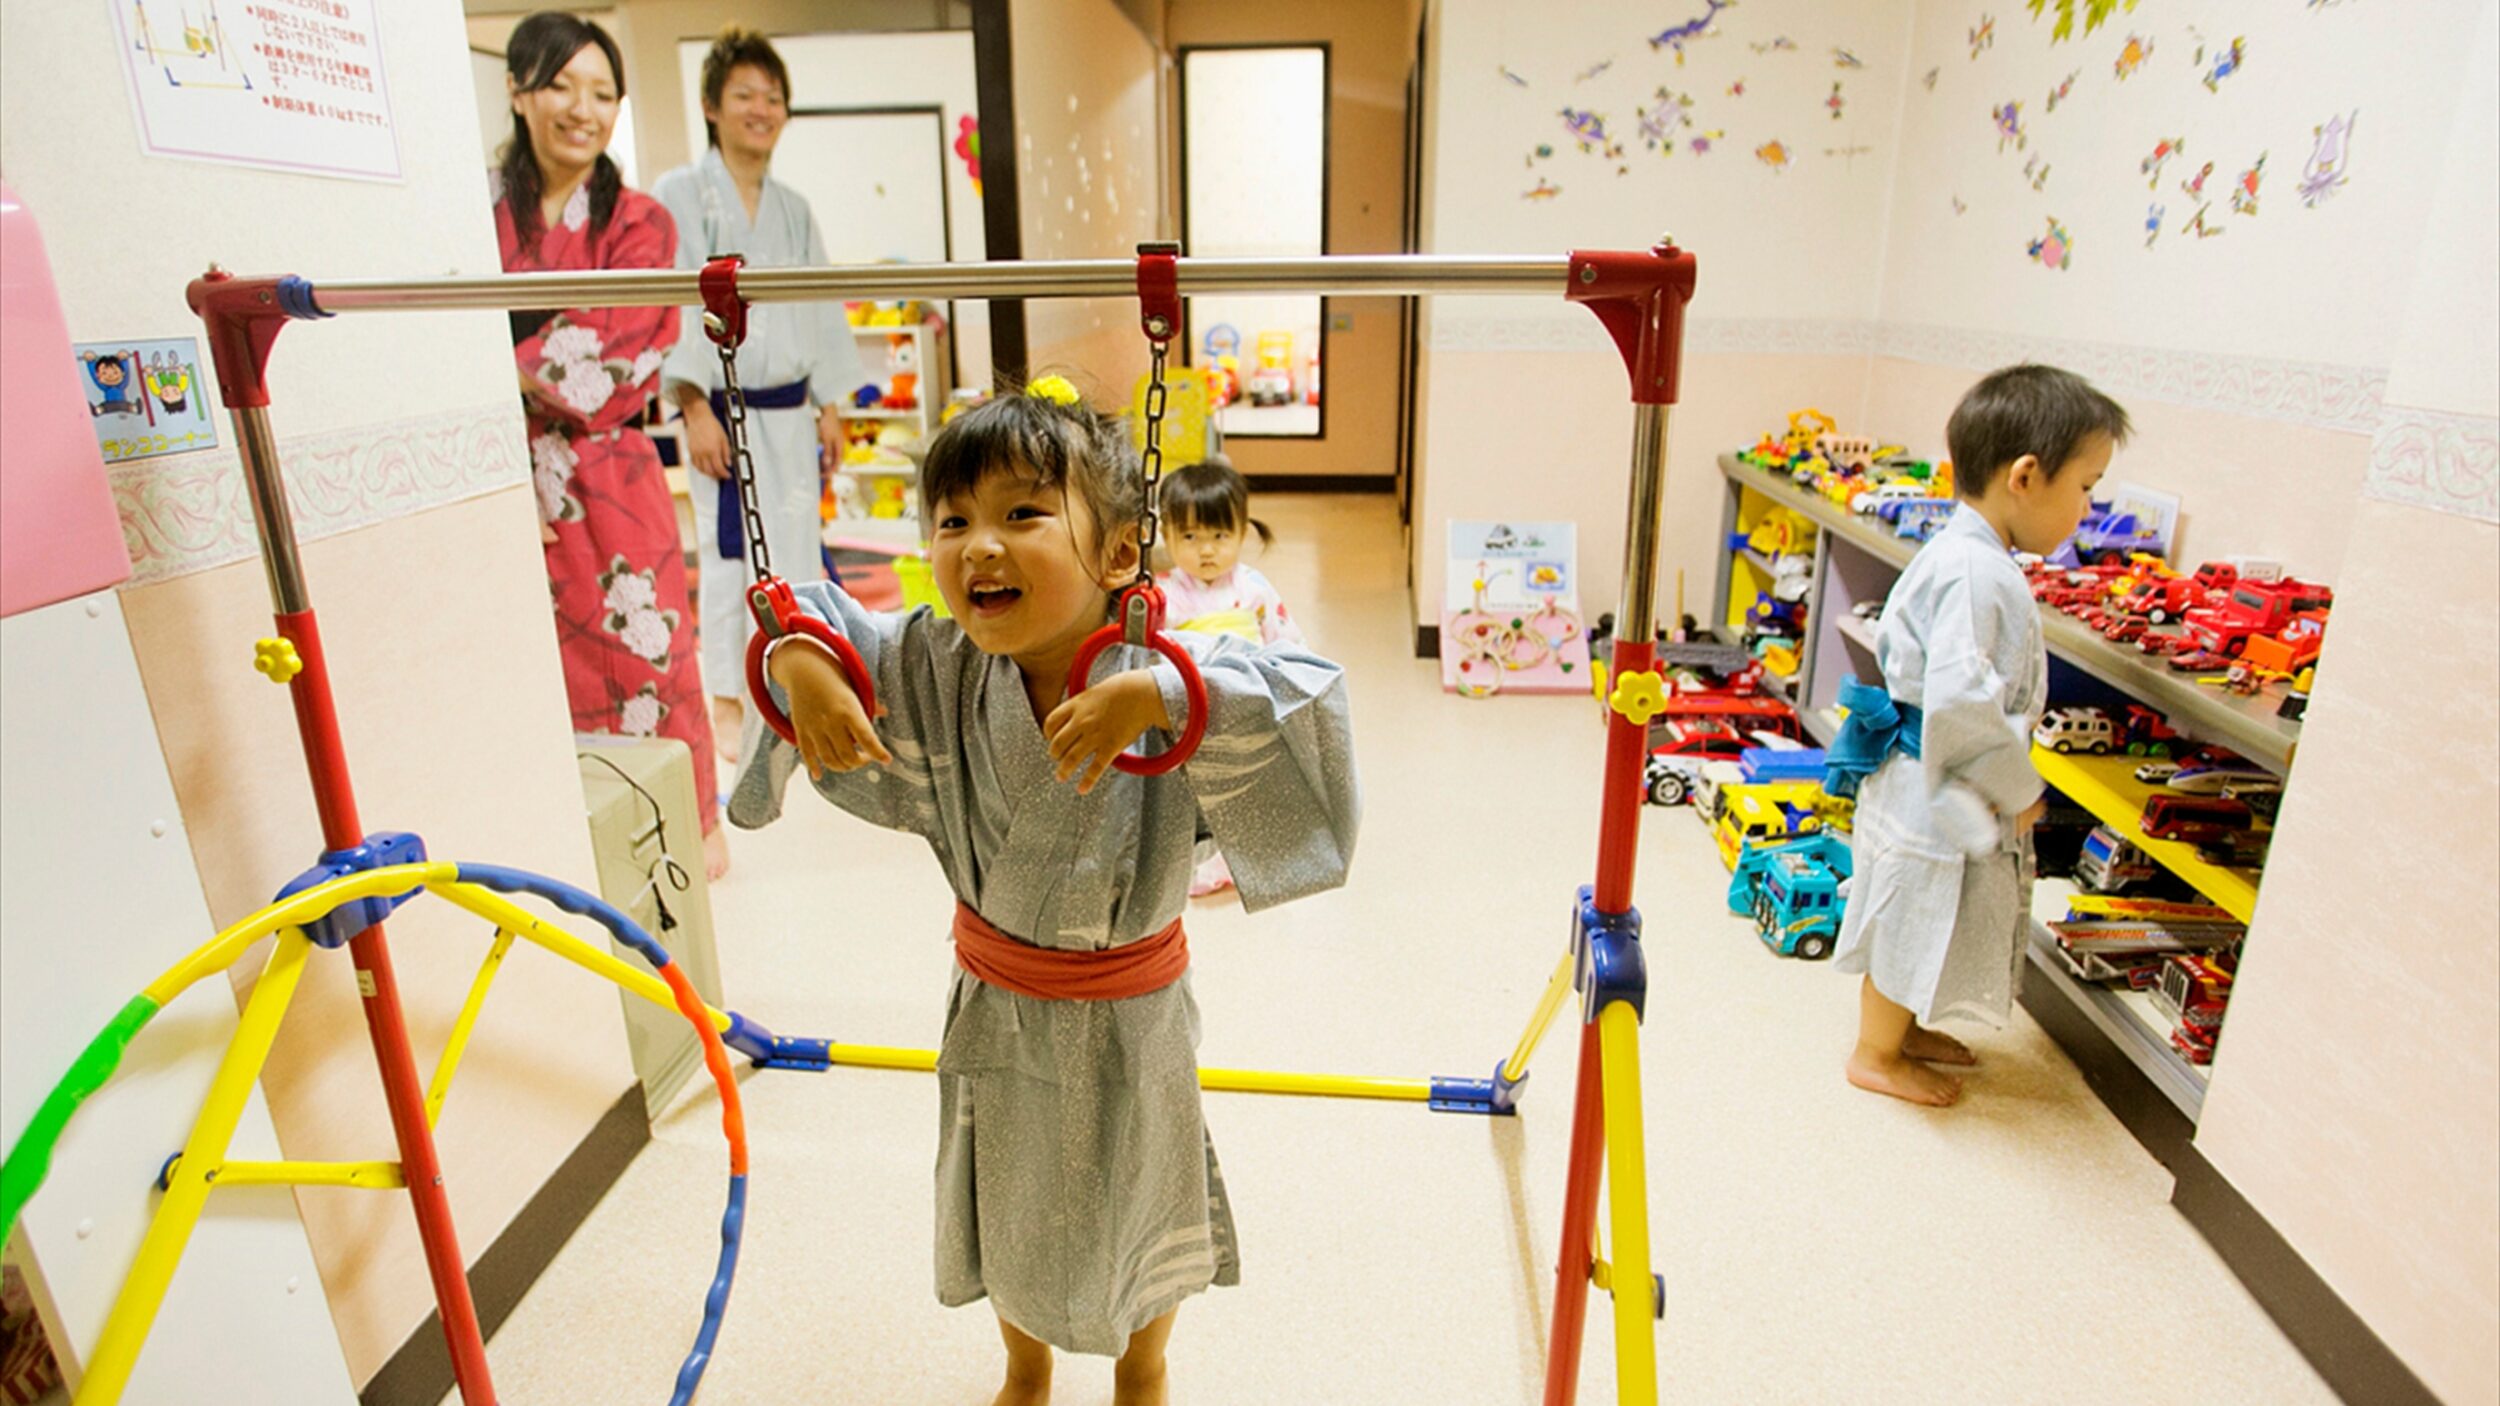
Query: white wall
{"x": 1088, "y": 166}
{"x": 2353, "y": 1097}
{"x": 402, "y": 442}
{"x": 1526, "y": 410}
{"x": 2293, "y": 281}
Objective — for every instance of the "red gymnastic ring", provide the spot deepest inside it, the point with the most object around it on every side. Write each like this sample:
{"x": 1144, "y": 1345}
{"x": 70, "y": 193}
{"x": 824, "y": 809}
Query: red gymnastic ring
{"x": 793, "y": 621}
{"x": 1191, "y": 730}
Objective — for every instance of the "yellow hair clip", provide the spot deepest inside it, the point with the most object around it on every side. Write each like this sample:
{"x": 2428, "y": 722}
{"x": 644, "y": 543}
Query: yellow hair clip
{"x": 1058, "y": 390}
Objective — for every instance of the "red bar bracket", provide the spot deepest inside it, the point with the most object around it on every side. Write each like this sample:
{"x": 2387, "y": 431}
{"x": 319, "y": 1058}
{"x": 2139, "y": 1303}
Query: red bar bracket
{"x": 1159, "y": 290}
{"x": 719, "y": 282}
{"x": 1640, "y": 297}
{"x": 243, "y": 316}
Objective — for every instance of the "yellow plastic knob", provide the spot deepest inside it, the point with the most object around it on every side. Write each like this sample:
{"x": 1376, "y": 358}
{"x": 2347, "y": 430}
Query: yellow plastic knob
{"x": 1639, "y": 696}
{"x": 277, "y": 658}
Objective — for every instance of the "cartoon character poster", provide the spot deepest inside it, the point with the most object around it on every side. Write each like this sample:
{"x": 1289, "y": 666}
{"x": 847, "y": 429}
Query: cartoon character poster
{"x": 146, "y": 398}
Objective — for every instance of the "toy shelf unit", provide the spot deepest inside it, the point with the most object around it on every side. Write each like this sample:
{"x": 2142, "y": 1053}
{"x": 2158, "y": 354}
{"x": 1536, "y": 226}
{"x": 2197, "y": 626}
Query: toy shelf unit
{"x": 870, "y": 494}
{"x": 1857, "y": 558}
{"x": 1865, "y": 559}
{"x": 1765, "y": 589}
{"x": 2106, "y": 786}
{"x": 2129, "y": 1021}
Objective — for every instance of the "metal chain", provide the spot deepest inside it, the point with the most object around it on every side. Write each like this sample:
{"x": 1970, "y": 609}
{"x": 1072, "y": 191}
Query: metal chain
{"x": 1153, "y": 461}
{"x": 742, "y": 467}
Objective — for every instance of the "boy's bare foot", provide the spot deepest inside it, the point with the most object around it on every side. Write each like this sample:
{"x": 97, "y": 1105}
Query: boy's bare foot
{"x": 716, "y": 852}
{"x": 728, "y": 719}
{"x": 1935, "y": 1047}
{"x": 1903, "y": 1079}
{"x": 1023, "y": 1393}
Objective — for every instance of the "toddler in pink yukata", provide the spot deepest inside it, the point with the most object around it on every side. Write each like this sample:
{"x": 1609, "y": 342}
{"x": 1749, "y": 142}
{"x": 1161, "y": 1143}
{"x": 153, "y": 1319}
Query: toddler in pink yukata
{"x": 1206, "y": 520}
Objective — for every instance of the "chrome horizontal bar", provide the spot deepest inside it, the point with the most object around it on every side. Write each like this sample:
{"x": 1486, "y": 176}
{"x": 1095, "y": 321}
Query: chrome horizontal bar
{"x": 1347, "y": 274}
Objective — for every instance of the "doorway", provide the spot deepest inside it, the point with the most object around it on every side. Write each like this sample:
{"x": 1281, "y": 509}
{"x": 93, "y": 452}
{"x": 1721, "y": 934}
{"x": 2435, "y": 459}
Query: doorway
{"x": 1254, "y": 183}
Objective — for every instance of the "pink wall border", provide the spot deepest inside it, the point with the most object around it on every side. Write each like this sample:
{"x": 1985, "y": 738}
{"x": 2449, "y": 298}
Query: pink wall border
{"x": 2432, "y": 459}
{"x": 188, "y": 513}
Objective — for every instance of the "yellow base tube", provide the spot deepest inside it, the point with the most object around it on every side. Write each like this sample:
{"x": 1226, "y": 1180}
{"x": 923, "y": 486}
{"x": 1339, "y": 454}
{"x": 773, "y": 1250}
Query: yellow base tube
{"x": 516, "y": 921}
{"x": 1556, "y": 989}
{"x": 143, "y": 1291}
{"x": 1636, "y": 1315}
{"x": 1261, "y": 1081}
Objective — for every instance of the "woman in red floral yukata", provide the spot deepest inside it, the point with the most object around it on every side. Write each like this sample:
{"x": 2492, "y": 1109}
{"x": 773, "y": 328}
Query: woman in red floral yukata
{"x": 613, "y": 559}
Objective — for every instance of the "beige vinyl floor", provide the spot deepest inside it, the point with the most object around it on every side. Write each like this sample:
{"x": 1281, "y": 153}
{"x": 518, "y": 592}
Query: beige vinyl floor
{"x": 1819, "y": 1244}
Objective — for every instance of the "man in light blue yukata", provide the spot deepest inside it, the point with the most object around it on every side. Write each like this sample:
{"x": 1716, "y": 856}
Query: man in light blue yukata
{"x": 798, "y": 366}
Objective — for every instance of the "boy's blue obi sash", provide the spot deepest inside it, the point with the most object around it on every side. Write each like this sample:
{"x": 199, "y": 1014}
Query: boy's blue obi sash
{"x": 1877, "y": 726}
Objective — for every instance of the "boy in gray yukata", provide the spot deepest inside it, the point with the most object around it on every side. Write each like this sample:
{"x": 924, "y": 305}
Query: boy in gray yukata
{"x": 1941, "y": 899}
{"x": 1077, "y": 1188}
{"x": 797, "y": 367}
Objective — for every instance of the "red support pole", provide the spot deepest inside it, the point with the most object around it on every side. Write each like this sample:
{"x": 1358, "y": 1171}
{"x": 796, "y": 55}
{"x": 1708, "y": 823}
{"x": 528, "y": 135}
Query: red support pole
{"x": 1575, "y": 1259}
{"x": 242, "y": 318}
{"x": 403, "y": 1090}
{"x": 1619, "y": 811}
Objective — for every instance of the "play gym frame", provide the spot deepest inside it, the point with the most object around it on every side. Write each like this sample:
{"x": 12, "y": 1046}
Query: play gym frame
{"x": 1639, "y": 297}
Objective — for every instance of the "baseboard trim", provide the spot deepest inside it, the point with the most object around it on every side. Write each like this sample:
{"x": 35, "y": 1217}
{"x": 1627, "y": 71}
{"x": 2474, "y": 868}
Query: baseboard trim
{"x": 419, "y": 1373}
{"x": 2351, "y": 1358}
{"x": 2355, "y": 1361}
{"x": 1321, "y": 483}
{"x": 1427, "y": 641}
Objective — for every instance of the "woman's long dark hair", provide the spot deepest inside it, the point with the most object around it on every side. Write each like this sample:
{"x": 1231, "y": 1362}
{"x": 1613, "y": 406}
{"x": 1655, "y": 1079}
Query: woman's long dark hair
{"x": 539, "y": 49}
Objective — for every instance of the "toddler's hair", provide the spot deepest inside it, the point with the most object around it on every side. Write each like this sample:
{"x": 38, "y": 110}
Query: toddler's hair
{"x": 1211, "y": 494}
{"x": 2026, "y": 409}
{"x": 1066, "y": 446}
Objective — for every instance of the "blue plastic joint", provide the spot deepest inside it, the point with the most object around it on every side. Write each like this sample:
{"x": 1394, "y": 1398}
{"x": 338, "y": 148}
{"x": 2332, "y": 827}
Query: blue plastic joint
{"x": 1608, "y": 961}
{"x": 1497, "y": 1097}
{"x": 380, "y": 850}
{"x": 771, "y": 1051}
{"x": 295, "y": 299}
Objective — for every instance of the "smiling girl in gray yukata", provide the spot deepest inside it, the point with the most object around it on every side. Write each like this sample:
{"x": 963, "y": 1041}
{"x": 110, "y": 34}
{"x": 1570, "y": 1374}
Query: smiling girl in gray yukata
{"x": 1077, "y": 1188}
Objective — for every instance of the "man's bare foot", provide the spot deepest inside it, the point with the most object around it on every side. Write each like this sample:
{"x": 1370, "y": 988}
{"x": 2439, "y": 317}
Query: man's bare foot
{"x": 728, "y": 719}
{"x": 1903, "y": 1079}
{"x": 1935, "y": 1047}
{"x": 716, "y": 852}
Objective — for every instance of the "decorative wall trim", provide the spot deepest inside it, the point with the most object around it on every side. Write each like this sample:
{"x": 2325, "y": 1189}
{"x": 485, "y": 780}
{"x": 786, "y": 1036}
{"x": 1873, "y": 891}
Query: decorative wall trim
{"x": 2345, "y": 398}
{"x": 189, "y": 513}
{"x": 2432, "y": 459}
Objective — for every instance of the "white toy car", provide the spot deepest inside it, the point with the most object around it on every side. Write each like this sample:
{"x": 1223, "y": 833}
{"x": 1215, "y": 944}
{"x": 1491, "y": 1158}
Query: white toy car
{"x": 2064, "y": 730}
{"x": 1895, "y": 491}
{"x": 2154, "y": 773}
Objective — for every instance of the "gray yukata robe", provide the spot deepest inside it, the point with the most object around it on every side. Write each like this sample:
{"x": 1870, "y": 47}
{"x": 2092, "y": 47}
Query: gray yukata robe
{"x": 1942, "y": 932}
{"x": 1076, "y": 1185}
{"x": 785, "y": 342}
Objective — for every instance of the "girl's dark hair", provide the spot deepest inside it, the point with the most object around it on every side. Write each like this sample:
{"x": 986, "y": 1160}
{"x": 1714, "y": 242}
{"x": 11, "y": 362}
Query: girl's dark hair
{"x": 540, "y": 47}
{"x": 2026, "y": 409}
{"x": 1211, "y": 494}
{"x": 735, "y": 45}
{"x": 1070, "y": 447}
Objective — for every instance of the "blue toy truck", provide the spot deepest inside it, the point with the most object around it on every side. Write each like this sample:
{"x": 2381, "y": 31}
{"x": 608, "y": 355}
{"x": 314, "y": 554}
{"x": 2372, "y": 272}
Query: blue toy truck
{"x": 1792, "y": 889}
{"x": 1798, "y": 914}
